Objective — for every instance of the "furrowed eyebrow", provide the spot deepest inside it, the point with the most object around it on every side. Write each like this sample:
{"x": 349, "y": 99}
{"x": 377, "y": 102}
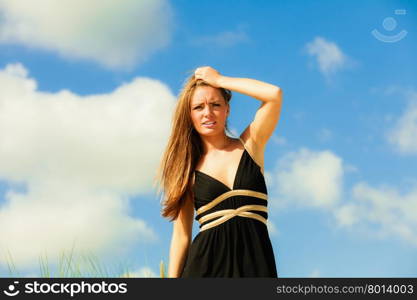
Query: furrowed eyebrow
{"x": 213, "y": 101}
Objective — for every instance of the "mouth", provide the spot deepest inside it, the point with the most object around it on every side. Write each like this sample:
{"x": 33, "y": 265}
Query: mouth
{"x": 209, "y": 124}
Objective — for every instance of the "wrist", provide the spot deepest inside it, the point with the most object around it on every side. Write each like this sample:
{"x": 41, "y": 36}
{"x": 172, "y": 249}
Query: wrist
{"x": 221, "y": 81}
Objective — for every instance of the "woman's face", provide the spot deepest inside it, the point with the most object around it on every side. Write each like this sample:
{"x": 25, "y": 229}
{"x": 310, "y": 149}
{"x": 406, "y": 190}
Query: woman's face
{"x": 207, "y": 106}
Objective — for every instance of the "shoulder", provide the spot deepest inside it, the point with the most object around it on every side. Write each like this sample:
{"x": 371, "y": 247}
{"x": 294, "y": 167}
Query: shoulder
{"x": 254, "y": 150}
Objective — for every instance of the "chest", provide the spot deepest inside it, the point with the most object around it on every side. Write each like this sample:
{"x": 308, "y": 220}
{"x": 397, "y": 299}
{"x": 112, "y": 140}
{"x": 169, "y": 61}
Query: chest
{"x": 223, "y": 167}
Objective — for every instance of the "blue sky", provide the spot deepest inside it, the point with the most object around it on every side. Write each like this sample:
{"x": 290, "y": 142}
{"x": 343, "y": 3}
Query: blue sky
{"x": 86, "y": 95}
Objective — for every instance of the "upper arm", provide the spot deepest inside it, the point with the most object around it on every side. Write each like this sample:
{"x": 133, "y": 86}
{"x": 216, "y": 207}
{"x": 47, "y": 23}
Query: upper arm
{"x": 183, "y": 224}
{"x": 264, "y": 122}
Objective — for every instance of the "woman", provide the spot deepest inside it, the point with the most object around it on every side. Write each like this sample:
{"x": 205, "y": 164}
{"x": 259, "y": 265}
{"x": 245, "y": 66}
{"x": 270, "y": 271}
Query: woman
{"x": 219, "y": 177}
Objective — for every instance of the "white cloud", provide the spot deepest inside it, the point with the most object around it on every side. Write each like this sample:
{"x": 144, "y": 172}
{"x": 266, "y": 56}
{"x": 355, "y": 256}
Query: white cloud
{"x": 329, "y": 57}
{"x": 272, "y": 228}
{"x": 268, "y": 178}
{"x": 117, "y": 34}
{"x": 307, "y": 178}
{"x": 347, "y": 214}
{"x": 80, "y": 158}
{"x": 311, "y": 179}
{"x": 222, "y": 39}
{"x": 403, "y": 135}
{"x": 393, "y": 213}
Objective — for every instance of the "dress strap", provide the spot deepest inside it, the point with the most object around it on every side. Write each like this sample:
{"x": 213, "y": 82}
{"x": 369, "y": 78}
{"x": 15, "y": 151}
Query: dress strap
{"x": 242, "y": 143}
{"x": 250, "y": 155}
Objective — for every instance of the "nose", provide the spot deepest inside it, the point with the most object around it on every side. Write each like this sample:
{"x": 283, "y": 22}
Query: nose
{"x": 207, "y": 110}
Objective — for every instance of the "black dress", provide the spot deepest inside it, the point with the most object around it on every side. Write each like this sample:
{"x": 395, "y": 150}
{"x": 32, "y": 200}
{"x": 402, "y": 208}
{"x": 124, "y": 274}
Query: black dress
{"x": 233, "y": 240}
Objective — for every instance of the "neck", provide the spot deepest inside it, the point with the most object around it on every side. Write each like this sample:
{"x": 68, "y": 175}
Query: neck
{"x": 215, "y": 143}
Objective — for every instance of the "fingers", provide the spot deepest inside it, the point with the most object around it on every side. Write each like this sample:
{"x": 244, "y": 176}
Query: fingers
{"x": 201, "y": 70}
{"x": 202, "y": 67}
{"x": 207, "y": 74}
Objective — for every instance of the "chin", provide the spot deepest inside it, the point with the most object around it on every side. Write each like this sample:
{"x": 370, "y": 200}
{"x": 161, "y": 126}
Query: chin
{"x": 208, "y": 132}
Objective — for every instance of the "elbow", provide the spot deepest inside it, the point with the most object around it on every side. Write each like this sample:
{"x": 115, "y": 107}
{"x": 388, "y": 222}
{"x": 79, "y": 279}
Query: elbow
{"x": 274, "y": 96}
{"x": 278, "y": 95}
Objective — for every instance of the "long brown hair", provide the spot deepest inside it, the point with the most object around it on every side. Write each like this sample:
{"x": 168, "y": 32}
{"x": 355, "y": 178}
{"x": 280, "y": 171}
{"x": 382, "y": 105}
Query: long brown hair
{"x": 182, "y": 153}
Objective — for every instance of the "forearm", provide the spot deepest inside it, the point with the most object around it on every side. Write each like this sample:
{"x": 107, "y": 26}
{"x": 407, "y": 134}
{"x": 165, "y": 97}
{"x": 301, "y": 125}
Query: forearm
{"x": 254, "y": 88}
{"x": 177, "y": 254}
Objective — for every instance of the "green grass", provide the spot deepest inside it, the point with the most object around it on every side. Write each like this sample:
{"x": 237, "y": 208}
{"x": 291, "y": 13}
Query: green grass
{"x": 70, "y": 266}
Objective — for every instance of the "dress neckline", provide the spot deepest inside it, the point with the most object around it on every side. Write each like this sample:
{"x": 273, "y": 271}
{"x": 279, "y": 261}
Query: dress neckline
{"x": 237, "y": 170}
{"x": 236, "y": 175}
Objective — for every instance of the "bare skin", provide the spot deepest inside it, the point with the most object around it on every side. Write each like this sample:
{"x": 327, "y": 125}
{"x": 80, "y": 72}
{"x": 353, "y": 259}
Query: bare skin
{"x": 222, "y": 154}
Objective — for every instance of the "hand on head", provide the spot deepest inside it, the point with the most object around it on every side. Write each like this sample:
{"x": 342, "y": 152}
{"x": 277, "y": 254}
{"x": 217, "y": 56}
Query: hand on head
{"x": 208, "y": 74}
